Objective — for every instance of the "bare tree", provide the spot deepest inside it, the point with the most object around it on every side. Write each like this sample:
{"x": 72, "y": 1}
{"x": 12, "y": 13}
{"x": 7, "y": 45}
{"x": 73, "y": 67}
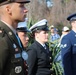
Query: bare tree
{"x": 56, "y": 14}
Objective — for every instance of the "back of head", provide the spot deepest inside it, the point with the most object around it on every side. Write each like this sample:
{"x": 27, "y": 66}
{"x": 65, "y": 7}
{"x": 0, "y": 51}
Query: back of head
{"x": 65, "y": 29}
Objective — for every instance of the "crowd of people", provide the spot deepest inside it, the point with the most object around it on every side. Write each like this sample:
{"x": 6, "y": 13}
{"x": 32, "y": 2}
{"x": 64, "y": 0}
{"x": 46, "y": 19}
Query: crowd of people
{"x": 17, "y": 58}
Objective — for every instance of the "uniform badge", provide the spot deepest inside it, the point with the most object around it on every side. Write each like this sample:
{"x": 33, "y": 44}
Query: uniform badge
{"x": 14, "y": 45}
{"x": 24, "y": 55}
{"x": 18, "y": 69}
{"x": 18, "y": 55}
{"x": 10, "y": 33}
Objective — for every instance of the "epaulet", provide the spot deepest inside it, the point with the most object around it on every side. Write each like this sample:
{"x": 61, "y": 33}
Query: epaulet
{"x": 1, "y": 32}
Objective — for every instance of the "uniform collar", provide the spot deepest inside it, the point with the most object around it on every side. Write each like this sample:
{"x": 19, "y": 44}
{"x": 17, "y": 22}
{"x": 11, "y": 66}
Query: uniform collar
{"x": 14, "y": 31}
{"x": 43, "y": 45}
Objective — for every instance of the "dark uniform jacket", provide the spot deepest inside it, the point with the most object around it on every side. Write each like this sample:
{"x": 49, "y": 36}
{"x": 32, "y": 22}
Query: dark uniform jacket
{"x": 68, "y": 52}
{"x": 11, "y": 62}
{"x": 38, "y": 60}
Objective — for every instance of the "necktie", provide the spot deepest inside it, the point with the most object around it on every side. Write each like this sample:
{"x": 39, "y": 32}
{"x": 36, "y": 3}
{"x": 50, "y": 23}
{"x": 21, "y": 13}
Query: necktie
{"x": 18, "y": 40}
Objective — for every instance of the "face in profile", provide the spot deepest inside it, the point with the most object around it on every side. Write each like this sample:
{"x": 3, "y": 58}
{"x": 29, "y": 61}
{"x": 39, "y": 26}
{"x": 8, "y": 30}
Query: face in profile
{"x": 52, "y": 30}
{"x": 19, "y": 11}
{"x": 24, "y": 38}
{"x": 42, "y": 36}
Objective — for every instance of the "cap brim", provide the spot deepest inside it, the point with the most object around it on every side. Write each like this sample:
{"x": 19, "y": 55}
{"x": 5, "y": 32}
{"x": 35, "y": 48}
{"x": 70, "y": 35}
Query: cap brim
{"x": 69, "y": 18}
{"x": 17, "y": 1}
{"x": 23, "y": 1}
{"x": 23, "y": 29}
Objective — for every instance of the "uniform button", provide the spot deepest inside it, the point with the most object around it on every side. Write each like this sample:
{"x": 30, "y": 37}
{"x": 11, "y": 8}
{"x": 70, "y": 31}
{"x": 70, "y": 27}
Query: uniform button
{"x": 50, "y": 58}
{"x": 28, "y": 66}
{"x": 27, "y": 70}
{"x": 10, "y": 33}
{"x": 50, "y": 63}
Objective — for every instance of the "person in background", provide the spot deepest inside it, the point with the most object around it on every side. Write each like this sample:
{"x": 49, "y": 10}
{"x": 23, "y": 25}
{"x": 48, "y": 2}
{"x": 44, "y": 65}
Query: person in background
{"x": 39, "y": 56}
{"x": 65, "y": 31}
{"x": 68, "y": 48}
{"x": 11, "y": 50}
{"x": 54, "y": 35}
{"x": 22, "y": 31}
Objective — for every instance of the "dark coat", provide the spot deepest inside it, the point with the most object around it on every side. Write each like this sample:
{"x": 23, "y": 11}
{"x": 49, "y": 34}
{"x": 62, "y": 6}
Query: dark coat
{"x": 10, "y": 52}
{"x": 39, "y": 60}
{"x": 68, "y": 52}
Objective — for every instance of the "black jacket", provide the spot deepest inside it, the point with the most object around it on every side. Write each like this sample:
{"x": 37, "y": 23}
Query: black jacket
{"x": 39, "y": 60}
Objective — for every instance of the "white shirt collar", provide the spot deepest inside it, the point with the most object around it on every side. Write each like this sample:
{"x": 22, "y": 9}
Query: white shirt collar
{"x": 43, "y": 45}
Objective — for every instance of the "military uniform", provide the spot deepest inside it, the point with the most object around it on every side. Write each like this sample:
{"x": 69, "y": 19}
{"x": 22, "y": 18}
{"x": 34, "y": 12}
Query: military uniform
{"x": 11, "y": 61}
{"x": 11, "y": 49}
{"x": 68, "y": 50}
{"x": 39, "y": 57}
{"x": 39, "y": 60}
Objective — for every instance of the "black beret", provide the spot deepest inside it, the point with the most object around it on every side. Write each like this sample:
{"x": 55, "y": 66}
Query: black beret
{"x": 3, "y": 2}
{"x": 71, "y": 17}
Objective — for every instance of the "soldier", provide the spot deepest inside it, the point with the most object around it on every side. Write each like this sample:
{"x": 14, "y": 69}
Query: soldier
{"x": 39, "y": 57}
{"x": 68, "y": 48}
{"x": 11, "y": 49}
{"x": 22, "y": 31}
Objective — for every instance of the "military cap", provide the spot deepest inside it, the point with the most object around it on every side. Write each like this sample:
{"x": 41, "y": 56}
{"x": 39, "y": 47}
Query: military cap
{"x": 3, "y": 2}
{"x": 22, "y": 27}
{"x": 41, "y": 25}
{"x": 72, "y": 17}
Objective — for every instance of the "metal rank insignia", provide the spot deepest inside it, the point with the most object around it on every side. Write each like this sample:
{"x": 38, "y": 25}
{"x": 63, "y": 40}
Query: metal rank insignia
{"x": 17, "y": 55}
{"x": 18, "y": 69}
{"x": 14, "y": 45}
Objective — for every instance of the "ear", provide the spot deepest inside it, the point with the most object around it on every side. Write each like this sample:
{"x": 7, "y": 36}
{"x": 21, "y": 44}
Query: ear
{"x": 8, "y": 9}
